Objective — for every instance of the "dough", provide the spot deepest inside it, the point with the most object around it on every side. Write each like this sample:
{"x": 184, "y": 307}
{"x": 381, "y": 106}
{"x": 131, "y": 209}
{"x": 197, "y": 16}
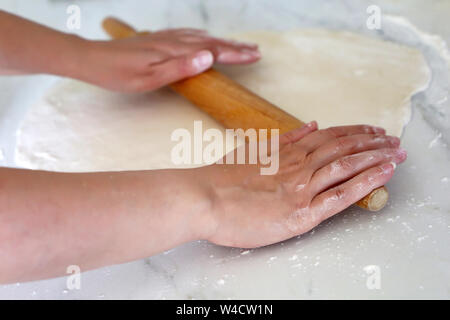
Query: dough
{"x": 333, "y": 77}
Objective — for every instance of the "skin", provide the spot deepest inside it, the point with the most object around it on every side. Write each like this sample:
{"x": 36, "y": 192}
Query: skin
{"x": 135, "y": 64}
{"x": 50, "y": 220}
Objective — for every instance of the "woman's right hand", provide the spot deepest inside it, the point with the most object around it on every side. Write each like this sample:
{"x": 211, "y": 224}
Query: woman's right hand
{"x": 321, "y": 172}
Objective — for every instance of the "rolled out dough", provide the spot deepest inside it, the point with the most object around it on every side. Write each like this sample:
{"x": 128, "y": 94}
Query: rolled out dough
{"x": 335, "y": 78}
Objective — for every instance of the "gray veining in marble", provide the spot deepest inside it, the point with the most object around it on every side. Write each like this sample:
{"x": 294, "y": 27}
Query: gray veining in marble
{"x": 408, "y": 240}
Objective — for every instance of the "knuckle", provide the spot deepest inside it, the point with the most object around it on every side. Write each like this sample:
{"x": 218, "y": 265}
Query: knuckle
{"x": 345, "y": 164}
{"x": 378, "y": 138}
{"x": 374, "y": 154}
{"x": 289, "y": 136}
{"x": 339, "y": 193}
{"x": 332, "y": 131}
{"x": 343, "y": 144}
{"x": 367, "y": 129}
{"x": 378, "y": 171}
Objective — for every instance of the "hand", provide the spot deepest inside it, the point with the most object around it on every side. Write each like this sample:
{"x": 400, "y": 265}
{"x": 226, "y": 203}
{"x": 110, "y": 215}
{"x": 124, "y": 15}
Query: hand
{"x": 321, "y": 172}
{"x": 148, "y": 62}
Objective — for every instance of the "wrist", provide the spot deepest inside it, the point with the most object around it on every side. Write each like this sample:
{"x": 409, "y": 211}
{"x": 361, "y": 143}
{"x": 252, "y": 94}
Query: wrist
{"x": 204, "y": 222}
{"x": 199, "y": 198}
{"x": 180, "y": 203}
{"x": 74, "y": 62}
{"x": 95, "y": 63}
{"x": 207, "y": 180}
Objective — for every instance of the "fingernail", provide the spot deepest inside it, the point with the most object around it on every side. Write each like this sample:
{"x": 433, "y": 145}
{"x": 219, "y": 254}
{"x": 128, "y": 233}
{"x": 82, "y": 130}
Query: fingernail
{"x": 394, "y": 165}
{"x": 388, "y": 167}
{"x": 249, "y": 53}
{"x": 311, "y": 124}
{"x": 203, "y": 60}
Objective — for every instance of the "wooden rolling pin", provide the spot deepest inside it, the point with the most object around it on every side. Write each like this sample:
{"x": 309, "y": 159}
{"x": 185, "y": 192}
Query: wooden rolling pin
{"x": 235, "y": 106}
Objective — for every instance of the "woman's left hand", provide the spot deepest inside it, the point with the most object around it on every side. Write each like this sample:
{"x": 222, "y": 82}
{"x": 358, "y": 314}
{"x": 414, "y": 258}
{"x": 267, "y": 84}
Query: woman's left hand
{"x": 148, "y": 62}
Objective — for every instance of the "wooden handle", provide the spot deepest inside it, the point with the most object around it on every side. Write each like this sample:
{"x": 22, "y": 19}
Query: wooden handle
{"x": 118, "y": 29}
{"x": 234, "y": 106}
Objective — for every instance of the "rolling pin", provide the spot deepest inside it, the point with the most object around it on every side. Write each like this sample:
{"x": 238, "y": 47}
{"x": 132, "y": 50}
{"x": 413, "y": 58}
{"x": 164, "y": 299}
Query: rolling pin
{"x": 235, "y": 106}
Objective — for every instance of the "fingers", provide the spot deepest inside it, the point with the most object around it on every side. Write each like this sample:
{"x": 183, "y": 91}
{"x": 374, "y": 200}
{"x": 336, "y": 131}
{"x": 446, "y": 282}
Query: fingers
{"x": 205, "y": 38}
{"x": 334, "y": 200}
{"x": 297, "y": 134}
{"x": 232, "y": 56}
{"x": 290, "y": 138}
{"x": 175, "y": 69}
{"x": 234, "y": 52}
{"x": 346, "y": 145}
{"x": 183, "y": 41}
{"x": 323, "y": 136}
{"x": 347, "y": 167}
{"x": 227, "y": 52}
{"x": 199, "y": 35}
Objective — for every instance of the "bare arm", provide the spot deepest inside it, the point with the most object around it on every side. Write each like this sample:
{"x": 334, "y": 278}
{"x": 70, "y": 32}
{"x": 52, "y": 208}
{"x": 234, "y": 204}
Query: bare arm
{"x": 137, "y": 64}
{"x": 27, "y": 47}
{"x": 51, "y": 220}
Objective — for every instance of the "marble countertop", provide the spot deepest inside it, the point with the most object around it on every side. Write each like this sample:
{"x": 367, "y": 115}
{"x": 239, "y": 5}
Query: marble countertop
{"x": 401, "y": 252}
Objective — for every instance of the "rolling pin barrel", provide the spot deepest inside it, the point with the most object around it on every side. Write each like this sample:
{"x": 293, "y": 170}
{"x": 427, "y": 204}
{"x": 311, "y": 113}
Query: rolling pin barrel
{"x": 118, "y": 29}
{"x": 234, "y": 106}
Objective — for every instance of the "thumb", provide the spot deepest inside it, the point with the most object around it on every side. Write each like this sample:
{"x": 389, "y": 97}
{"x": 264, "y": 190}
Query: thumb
{"x": 178, "y": 68}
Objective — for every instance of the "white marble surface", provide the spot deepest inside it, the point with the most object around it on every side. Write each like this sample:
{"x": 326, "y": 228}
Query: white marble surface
{"x": 408, "y": 240}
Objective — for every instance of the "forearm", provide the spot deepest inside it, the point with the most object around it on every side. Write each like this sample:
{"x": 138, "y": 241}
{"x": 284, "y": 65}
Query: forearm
{"x": 27, "y": 47}
{"x": 49, "y": 220}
